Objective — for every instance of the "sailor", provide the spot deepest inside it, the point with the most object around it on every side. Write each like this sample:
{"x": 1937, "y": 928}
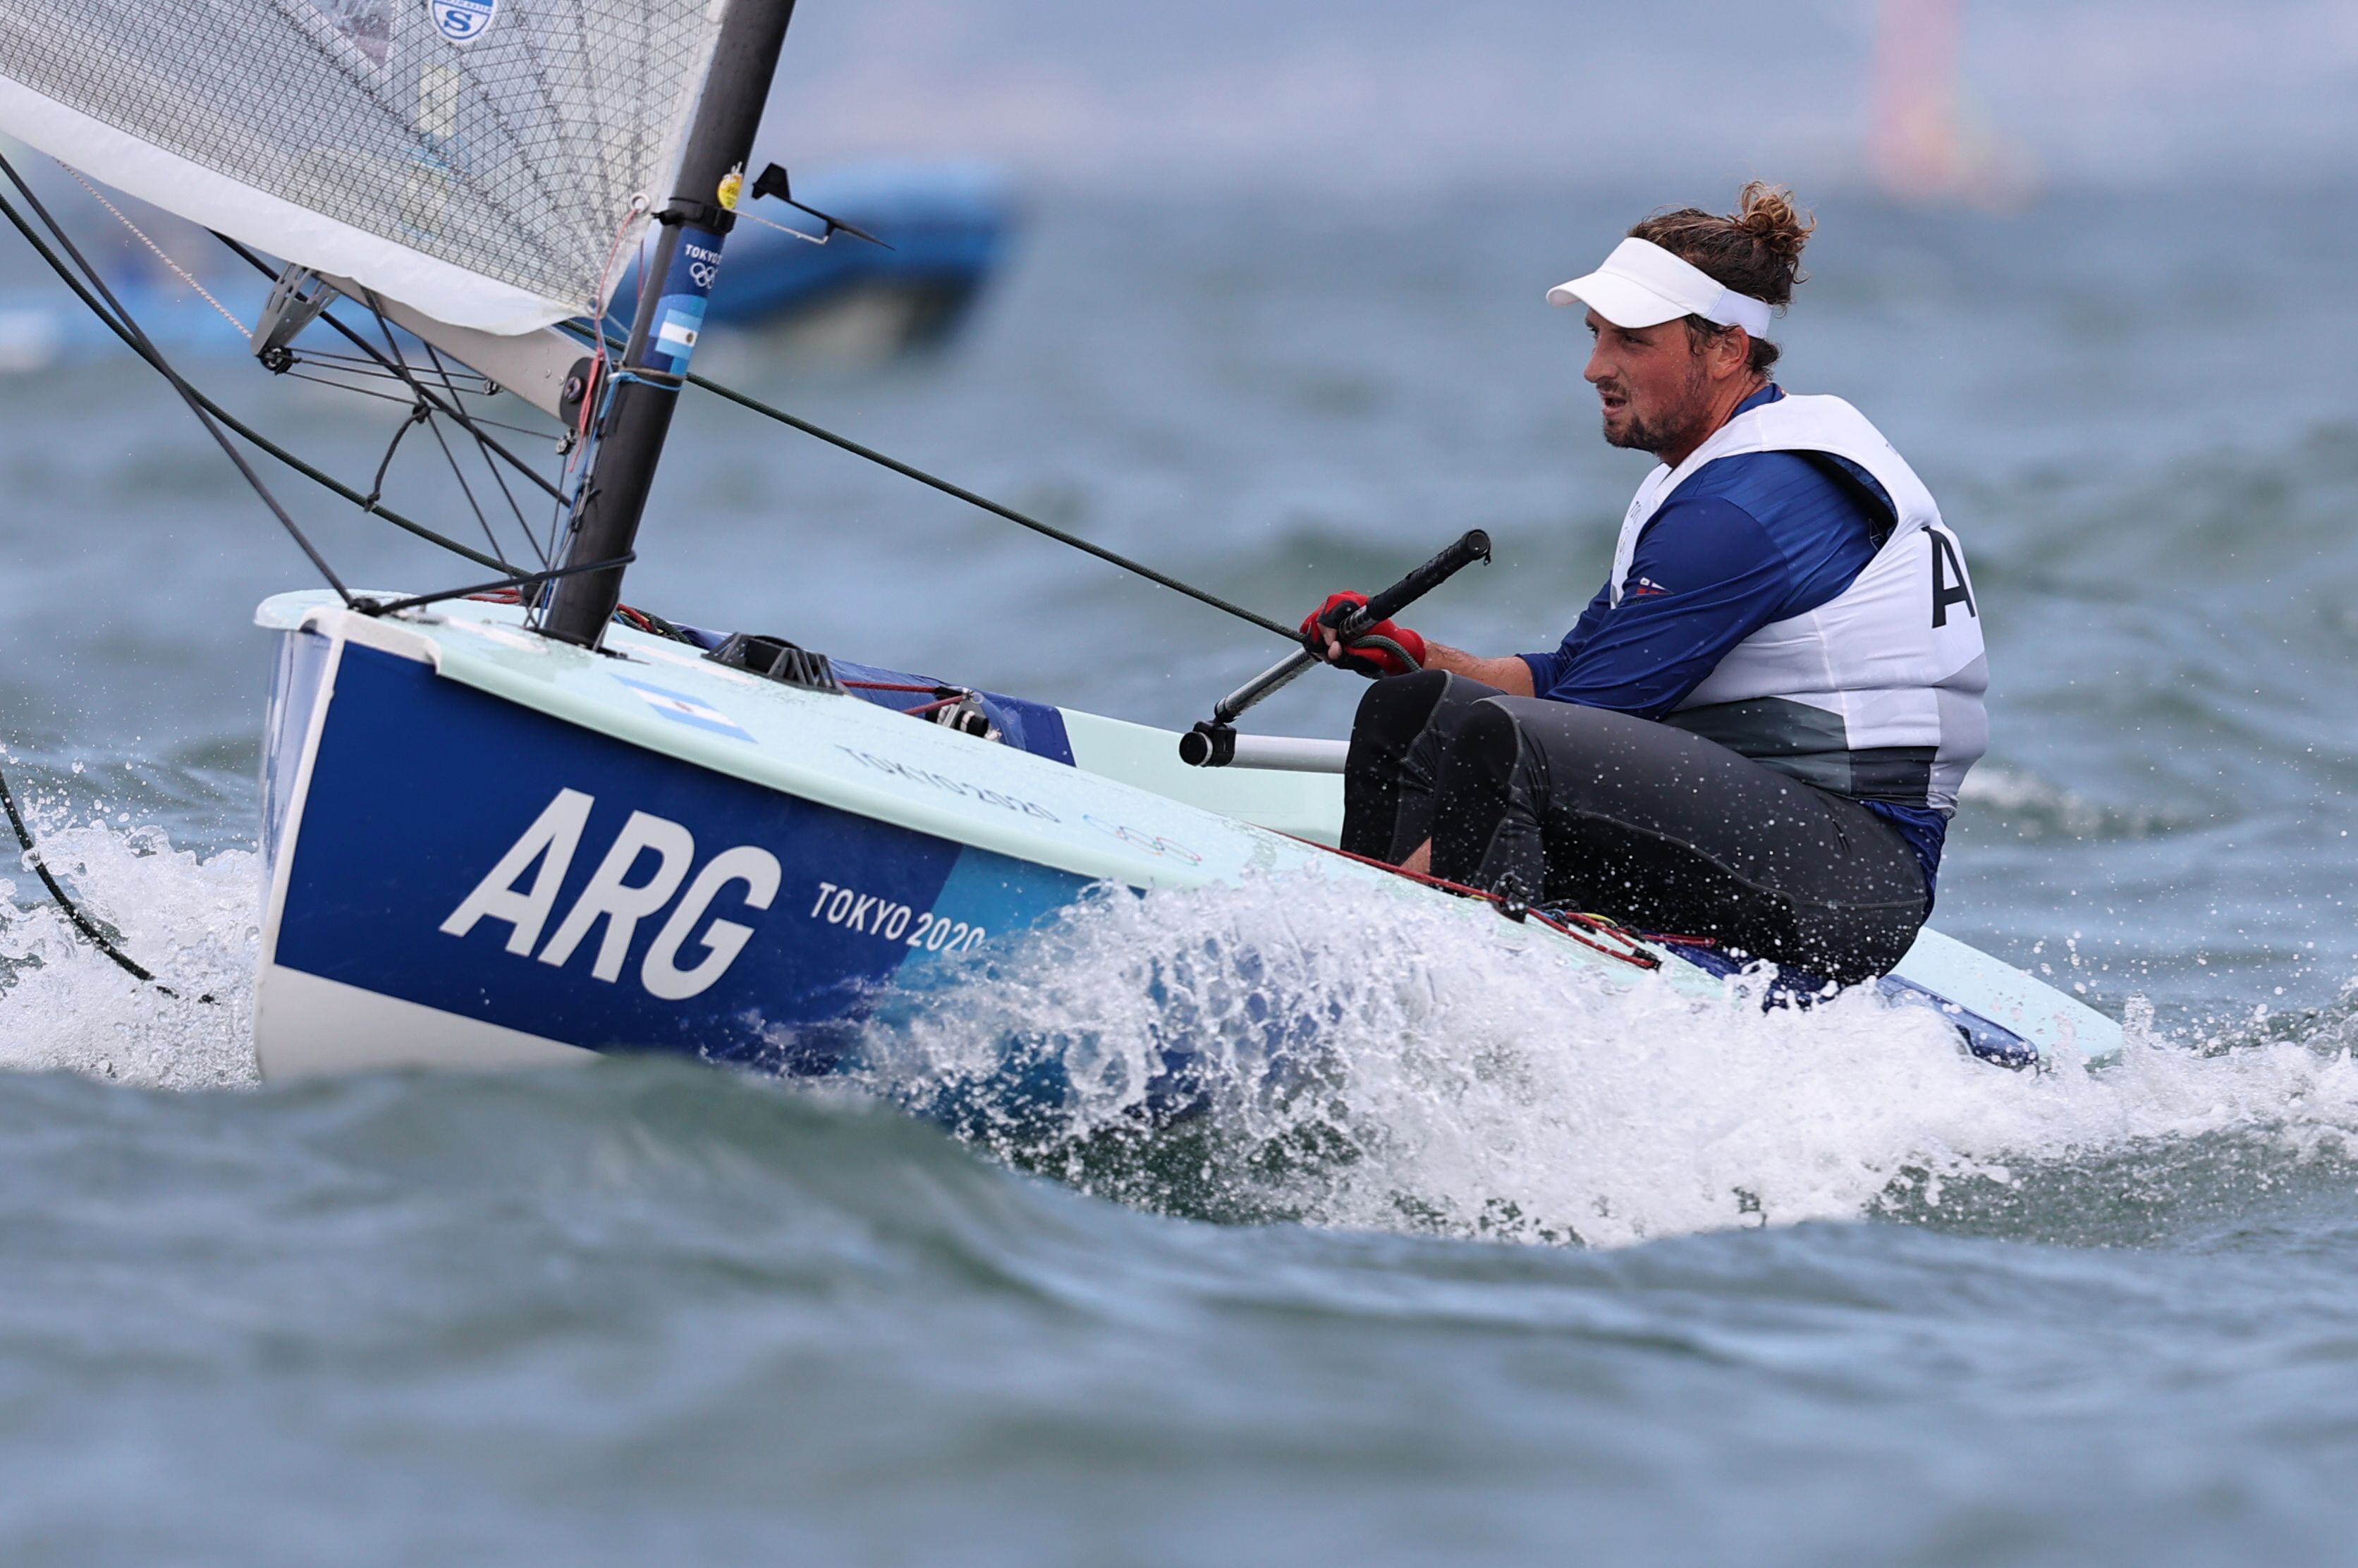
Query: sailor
{"x": 1756, "y": 731}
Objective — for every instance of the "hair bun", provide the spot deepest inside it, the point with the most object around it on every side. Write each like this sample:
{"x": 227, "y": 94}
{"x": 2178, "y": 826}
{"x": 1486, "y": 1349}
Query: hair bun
{"x": 1767, "y": 215}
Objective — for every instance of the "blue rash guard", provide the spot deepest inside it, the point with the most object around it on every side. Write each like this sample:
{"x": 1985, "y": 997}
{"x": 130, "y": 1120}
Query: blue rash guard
{"x": 1745, "y": 541}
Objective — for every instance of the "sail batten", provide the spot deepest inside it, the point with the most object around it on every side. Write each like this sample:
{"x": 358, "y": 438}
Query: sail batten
{"x": 475, "y": 158}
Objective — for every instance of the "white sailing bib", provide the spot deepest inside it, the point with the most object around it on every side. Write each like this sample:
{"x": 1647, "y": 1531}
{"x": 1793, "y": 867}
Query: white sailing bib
{"x": 1877, "y": 693}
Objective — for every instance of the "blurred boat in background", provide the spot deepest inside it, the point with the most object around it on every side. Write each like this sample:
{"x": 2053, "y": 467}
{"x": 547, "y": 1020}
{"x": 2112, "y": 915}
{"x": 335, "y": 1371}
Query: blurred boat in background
{"x": 947, "y": 227}
{"x": 1929, "y": 140}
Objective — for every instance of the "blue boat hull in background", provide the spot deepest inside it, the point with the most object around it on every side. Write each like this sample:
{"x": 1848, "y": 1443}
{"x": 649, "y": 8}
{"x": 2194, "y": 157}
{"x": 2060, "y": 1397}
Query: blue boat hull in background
{"x": 848, "y": 302}
{"x": 950, "y": 225}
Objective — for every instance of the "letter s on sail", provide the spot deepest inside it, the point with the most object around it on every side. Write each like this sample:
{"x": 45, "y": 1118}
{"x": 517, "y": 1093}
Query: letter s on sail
{"x": 723, "y": 939}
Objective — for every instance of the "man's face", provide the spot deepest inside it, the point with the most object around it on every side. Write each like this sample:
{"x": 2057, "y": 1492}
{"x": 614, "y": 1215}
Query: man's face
{"x": 1652, "y": 382}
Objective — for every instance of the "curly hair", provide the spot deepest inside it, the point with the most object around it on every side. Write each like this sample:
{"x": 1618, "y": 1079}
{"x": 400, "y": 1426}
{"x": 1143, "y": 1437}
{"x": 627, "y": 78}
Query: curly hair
{"x": 1755, "y": 250}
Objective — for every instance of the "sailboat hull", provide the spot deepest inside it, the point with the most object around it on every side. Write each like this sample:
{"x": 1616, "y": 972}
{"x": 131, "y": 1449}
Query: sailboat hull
{"x": 486, "y": 849}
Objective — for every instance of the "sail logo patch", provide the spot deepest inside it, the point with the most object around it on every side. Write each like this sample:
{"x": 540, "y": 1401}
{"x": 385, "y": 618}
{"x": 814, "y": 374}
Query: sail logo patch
{"x": 462, "y": 21}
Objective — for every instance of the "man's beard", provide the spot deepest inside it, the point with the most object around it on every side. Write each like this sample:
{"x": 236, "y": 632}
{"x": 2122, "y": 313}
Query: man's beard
{"x": 1665, "y": 433}
{"x": 1639, "y": 435}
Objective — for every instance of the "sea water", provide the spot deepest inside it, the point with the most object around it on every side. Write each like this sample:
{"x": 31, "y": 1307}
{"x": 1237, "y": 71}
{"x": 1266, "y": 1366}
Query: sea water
{"x": 1493, "y": 1271}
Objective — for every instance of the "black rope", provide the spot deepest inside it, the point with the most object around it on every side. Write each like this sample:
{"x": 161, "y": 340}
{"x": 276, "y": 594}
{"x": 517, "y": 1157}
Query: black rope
{"x": 371, "y": 607}
{"x": 231, "y": 421}
{"x": 82, "y": 922}
{"x": 419, "y": 414}
{"x": 483, "y": 451}
{"x": 907, "y": 471}
{"x": 1202, "y": 596}
{"x": 139, "y": 341}
{"x": 399, "y": 369}
{"x": 454, "y": 409}
{"x": 466, "y": 490}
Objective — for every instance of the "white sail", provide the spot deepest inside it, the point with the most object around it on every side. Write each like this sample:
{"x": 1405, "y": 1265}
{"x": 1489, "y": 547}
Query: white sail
{"x": 477, "y": 160}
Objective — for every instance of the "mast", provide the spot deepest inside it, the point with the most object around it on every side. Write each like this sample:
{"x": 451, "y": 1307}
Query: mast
{"x": 686, "y": 258}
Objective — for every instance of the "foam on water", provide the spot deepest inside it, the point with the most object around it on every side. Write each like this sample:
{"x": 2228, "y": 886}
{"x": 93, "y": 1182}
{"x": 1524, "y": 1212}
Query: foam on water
{"x": 1388, "y": 1064}
{"x": 1458, "y": 1080}
{"x": 194, "y": 923}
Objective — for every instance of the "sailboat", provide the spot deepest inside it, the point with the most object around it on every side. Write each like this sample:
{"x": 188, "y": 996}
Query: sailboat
{"x": 526, "y": 824}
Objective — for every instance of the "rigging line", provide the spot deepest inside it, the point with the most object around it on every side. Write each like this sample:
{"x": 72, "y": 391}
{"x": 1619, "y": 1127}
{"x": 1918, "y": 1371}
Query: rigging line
{"x": 1201, "y": 596}
{"x": 246, "y": 432}
{"x": 183, "y": 274}
{"x": 360, "y": 366}
{"x": 465, "y": 489}
{"x": 399, "y": 365}
{"x": 347, "y": 364}
{"x": 555, "y": 529}
{"x": 476, "y": 423}
{"x": 418, "y": 415}
{"x": 443, "y": 371}
{"x": 80, "y": 921}
{"x": 530, "y": 580}
{"x": 355, "y": 390}
{"x": 602, "y": 304}
{"x": 335, "y": 368}
{"x": 139, "y": 341}
{"x": 393, "y": 347}
{"x": 508, "y": 495}
{"x": 352, "y": 335}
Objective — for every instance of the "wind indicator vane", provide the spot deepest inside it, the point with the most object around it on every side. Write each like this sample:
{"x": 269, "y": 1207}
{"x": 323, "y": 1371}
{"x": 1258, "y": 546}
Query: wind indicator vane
{"x": 773, "y": 182}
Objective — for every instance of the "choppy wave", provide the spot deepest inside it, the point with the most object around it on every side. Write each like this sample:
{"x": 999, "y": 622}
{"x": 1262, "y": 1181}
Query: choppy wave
{"x": 1456, "y": 1083}
{"x": 194, "y": 923}
{"x": 1388, "y": 1066}
{"x": 2019, "y": 802}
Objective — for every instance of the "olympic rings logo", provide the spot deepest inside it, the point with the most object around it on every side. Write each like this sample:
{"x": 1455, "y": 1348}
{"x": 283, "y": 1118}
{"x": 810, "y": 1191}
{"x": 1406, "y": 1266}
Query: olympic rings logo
{"x": 1152, "y": 843}
{"x": 702, "y": 272}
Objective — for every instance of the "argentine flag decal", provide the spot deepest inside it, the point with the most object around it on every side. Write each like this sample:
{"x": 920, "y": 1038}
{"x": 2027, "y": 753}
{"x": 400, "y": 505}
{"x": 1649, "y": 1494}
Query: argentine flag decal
{"x": 687, "y": 711}
{"x": 462, "y": 21}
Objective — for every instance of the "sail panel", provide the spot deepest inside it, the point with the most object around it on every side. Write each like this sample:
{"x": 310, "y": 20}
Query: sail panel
{"x": 475, "y": 158}
{"x": 442, "y": 290}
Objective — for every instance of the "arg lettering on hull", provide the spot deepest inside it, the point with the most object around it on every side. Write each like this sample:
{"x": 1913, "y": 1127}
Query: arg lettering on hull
{"x": 463, "y": 853}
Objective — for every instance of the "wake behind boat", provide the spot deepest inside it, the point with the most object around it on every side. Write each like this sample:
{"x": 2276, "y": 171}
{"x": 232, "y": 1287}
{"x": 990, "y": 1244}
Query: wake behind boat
{"x": 504, "y": 833}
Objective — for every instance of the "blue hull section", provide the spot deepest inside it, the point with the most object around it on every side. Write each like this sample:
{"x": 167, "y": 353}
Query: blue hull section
{"x": 480, "y": 859}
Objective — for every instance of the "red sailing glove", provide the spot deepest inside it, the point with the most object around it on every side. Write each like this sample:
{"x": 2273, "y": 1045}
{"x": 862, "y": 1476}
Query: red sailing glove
{"x": 1371, "y": 661}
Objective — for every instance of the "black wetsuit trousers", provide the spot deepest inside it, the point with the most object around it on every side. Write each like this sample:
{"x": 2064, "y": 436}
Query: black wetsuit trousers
{"x": 1628, "y": 818}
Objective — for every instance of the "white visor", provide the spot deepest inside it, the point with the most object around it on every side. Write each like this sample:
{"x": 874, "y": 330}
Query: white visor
{"x": 1642, "y": 285}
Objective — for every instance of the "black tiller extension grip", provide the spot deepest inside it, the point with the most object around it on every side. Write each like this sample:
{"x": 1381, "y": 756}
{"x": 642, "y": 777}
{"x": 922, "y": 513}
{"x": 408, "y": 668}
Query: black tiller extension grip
{"x": 1475, "y": 545}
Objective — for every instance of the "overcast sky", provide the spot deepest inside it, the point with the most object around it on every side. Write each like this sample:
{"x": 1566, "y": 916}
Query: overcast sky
{"x": 1385, "y": 92}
